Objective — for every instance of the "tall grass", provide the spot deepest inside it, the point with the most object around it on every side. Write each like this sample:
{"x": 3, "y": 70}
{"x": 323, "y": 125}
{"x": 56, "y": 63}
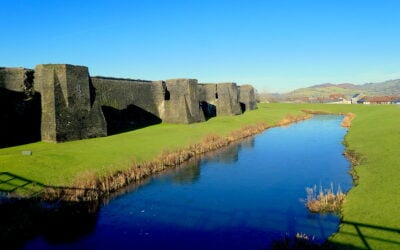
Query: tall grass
{"x": 289, "y": 118}
{"x": 325, "y": 200}
{"x": 348, "y": 118}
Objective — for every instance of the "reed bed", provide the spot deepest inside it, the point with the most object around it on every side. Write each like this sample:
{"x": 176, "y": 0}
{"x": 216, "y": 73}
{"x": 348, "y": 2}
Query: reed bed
{"x": 326, "y": 200}
{"x": 292, "y": 118}
{"x": 348, "y": 118}
{"x": 346, "y": 122}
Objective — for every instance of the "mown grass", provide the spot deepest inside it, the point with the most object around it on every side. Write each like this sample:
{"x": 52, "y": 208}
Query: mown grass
{"x": 371, "y": 214}
{"x": 60, "y": 164}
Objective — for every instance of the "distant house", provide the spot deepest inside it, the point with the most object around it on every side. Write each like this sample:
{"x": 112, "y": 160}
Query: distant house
{"x": 396, "y": 101}
{"x": 379, "y": 100}
{"x": 360, "y": 101}
{"x": 356, "y": 98}
{"x": 337, "y": 99}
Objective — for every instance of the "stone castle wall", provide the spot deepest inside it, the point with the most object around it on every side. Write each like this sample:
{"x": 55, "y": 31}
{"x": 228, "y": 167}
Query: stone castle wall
{"x": 220, "y": 99}
{"x": 183, "y": 105}
{"x": 247, "y": 97}
{"x": 71, "y": 105}
{"x": 68, "y": 112}
{"x": 19, "y": 107}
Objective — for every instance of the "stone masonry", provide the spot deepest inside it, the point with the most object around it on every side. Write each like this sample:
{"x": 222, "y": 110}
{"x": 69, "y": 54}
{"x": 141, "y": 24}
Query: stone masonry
{"x": 68, "y": 112}
{"x": 247, "y": 97}
{"x": 73, "y": 105}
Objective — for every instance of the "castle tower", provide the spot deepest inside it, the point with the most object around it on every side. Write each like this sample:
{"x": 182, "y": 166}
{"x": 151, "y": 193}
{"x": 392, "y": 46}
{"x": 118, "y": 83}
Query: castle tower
{"x": 69, "y": 111}
{"x": 182, "y": 104}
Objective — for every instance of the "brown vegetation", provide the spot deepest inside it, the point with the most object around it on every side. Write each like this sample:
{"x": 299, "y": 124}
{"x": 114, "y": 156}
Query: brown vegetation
{"x": 355, "y": 160}
{"x": 324, "y": 201}
{"x": 346, "y": 123}
{"x": 348, "y": 118}
{"x": 292, "y": 118}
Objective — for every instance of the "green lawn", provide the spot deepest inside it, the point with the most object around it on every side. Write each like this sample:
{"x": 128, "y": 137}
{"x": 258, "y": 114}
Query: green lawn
{"x": 59, "y": 164}
{"x": 372, "y": 211}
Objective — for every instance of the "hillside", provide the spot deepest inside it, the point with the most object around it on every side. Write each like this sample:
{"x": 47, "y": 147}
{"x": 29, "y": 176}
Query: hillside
{"x": 391, "y": 87}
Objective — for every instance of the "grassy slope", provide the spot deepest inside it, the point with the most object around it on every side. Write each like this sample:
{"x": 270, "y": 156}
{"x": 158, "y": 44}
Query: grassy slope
{"x": 375, "y": 134}
{"x": 59, "y": 164}
{"x": 323, "y": 91}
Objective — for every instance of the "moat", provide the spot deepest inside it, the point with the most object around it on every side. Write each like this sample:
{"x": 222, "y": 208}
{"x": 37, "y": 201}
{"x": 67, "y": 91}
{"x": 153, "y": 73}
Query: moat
{"x": 246, "y": 196}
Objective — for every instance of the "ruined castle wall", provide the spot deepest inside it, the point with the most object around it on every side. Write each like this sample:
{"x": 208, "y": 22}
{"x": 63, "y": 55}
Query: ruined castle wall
{"x": 68, "y": 109}
{"x": 228, "y": 99}
{"x": 208, "y": 92}
{"x": 14, "y": 79}
{"x": 247, "y": 97}
{"x": 128, "y": 104}
{"x": 225, "y": 97}
{"x": 120, "y": 93}
{"x": 19, "y": 107}
{"x": 208, "y": 97}
{"x": 62, "y": 102}
{"x": 183, "y": 105}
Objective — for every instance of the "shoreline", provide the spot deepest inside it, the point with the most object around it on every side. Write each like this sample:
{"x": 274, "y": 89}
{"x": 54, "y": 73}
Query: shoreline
{"x": 90, "y": 187}
{"x": 93, "y": 188}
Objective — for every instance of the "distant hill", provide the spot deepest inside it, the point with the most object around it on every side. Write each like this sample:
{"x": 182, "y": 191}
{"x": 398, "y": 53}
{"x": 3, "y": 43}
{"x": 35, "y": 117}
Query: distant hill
{"x": 391, "y": 87}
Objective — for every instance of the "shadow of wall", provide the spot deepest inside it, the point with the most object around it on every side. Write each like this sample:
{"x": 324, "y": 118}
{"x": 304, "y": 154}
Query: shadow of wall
{"x": 57, "y": 223}
{"x": 20, "y": 107}
{"x": 133, "y": 117}
{"x": 20, "y": 118}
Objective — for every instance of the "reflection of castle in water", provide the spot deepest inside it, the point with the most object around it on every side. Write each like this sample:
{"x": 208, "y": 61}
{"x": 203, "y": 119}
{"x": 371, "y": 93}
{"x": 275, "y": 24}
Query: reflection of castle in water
{"x": 57, "y": 223}
{"x": 190, "y": 172}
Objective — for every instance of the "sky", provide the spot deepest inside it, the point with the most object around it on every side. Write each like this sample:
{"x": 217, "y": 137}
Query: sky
{"x": 275, "y": 45}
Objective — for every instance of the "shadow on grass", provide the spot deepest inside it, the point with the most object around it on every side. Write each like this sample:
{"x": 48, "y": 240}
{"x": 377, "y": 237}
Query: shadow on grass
{"x": 366, "y": 238}
{"x": 13, "y": 185}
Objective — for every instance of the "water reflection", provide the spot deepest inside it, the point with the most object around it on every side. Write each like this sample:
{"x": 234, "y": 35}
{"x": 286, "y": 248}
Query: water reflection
{"x": 189, "y": 172}
{"x": 60, "y": 223}
{"x": 56, "y": 223}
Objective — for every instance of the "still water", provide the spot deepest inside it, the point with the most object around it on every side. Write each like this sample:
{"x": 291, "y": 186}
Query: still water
{"x": 243, "y": 197}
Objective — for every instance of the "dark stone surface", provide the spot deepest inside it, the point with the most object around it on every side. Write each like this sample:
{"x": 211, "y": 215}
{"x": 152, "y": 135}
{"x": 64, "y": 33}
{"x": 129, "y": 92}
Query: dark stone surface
{"x": 223, "y": 96}
{"x": 183, "y": 105}
{"x": 19, "y": 107}
{"x": 61, "y": 102}
{"x": 247, "y": 97}
{"x": 228, "y": 99}
{"x": 68, "y": 111}
{"x": 208, "y": 96}
{"x": 128, "y": 104}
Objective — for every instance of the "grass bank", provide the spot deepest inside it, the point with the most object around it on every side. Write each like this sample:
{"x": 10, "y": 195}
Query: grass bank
{"x": 371, "y": 214}
{"x": 66, "y": 164}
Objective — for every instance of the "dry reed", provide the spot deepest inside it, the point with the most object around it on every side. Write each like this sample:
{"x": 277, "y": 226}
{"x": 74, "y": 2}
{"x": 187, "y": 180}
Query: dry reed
{"x": 346, "y": 123}
{"x": 348, "y": 118}
{"x": 292, "y": 118}
{"x": 325, "y": 200}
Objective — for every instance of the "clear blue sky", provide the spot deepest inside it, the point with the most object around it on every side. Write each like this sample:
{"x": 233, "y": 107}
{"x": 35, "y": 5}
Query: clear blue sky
{"x": 276, "y": 45}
